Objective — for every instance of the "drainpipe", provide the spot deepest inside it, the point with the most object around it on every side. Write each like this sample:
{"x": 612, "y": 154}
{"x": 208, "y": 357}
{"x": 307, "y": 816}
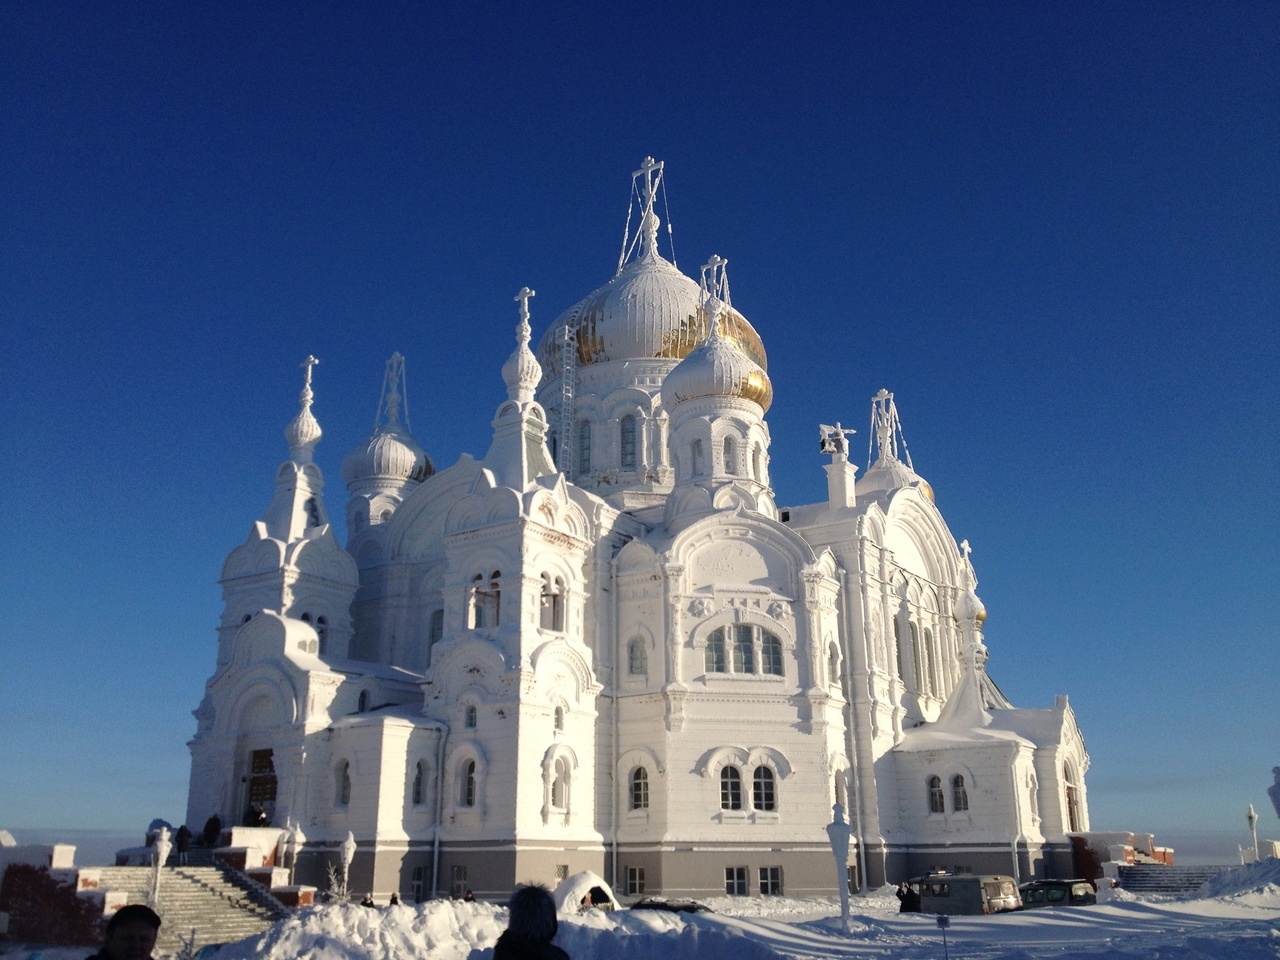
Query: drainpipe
{"x": 613, "y": 697}
{"x": 435, "y": 844}
{"x": 855, "y": 785}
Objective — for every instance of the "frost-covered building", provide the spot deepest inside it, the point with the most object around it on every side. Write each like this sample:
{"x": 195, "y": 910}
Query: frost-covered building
{"x": 604, "y": 645}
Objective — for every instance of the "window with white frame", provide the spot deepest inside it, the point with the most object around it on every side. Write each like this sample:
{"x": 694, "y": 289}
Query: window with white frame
{"x": 730, "y": 456}
{"x": 714, "y": 657}
{"x": 469, "y": 716}
{"x": 627, "y": 436}
{"x": 936, "y": 803}
{"x": 959, "y": 795}
{"x": 751, "y": 650}
{"x": 763, "y": 795}
{"x": 635, "y": 881}
{"x": 637, "y": 657}
{"x": 735, "y": 881}
{"x": 419, "y": 776}
{"x": 771, "y": 881}
{"x": 639, "y": 789}
{"x": 467, "y": 784}
{"x": 730, "y": 789}
{"x": 560, "y": 784}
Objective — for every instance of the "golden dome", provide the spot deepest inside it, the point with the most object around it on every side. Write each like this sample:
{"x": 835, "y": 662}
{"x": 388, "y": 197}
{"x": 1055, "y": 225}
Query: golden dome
{"x": 650, "y": 310}
{"x": 717, "y": 367}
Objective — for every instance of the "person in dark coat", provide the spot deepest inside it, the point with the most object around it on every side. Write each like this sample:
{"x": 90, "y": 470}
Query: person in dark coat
{"x": 212, "y": 830}
{"x": 531, "y": 927}
{"x": 182, "y": 840}
{"x": 131, "y": 934}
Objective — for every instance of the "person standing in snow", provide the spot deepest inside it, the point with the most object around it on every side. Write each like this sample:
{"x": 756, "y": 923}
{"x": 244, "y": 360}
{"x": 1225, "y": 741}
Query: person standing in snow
{"x": 182, "y": 840}
{"x": 531, "y": 927}
{"x": 131, "y": 934}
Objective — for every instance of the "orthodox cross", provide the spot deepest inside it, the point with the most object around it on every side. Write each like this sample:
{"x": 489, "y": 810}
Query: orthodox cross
{"x": 523, "y": 298}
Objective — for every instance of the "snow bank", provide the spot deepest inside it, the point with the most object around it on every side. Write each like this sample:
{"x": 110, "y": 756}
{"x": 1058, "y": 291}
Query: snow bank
{"x": 1256, "y": 881}
{"x": 452, "y": 930}
{"x": 568, "y": 896}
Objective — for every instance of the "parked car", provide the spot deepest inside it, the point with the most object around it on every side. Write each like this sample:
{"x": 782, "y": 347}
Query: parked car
{"x": 955, "y": 894}
{"x": 672, "y": 906}
{"x": 1057, "y": 893}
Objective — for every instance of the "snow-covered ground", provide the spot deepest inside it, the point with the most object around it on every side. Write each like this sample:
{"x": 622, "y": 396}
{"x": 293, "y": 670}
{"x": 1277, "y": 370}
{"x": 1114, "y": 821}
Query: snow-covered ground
{"x": 1236, "y": 916}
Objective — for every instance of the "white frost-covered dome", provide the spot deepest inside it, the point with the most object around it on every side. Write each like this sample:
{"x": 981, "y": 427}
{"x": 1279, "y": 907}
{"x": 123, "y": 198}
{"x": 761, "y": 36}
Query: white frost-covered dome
{"x": 649, "y": 310}
{"x": 888, "y": 475}
{"x": 717, "y": 367}
{"x": 389, "y": 454}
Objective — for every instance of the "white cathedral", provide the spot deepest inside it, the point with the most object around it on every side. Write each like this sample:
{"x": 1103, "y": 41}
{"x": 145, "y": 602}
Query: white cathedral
{"x": 605, "y": 646}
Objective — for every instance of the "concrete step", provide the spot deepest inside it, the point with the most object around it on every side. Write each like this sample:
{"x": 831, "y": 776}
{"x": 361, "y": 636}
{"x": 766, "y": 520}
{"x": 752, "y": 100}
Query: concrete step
{"x": 1160, "y": 878}
{"x": 219, "y": 905}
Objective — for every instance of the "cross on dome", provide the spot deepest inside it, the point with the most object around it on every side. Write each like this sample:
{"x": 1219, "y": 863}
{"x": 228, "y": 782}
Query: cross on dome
{"x": 303, "y": 432}
{"x": 522, "y": 371}
{"x": 886, "y": 431}
{"x": 393, "y": 393}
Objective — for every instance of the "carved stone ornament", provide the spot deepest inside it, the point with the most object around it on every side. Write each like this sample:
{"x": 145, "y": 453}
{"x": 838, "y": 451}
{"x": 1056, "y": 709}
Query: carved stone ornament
{"x": 702, "y": 607}
{"x": 780, "y": 610}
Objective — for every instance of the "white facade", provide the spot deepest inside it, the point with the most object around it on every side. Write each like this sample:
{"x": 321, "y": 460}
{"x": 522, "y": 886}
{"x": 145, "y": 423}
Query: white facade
{"x": 604, "y": 646}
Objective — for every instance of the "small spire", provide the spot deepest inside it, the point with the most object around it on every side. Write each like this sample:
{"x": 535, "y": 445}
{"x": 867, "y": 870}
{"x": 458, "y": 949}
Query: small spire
{"x": 644, "y": 188}
{"x": 886, "y": 431}
{"x": 303, "y": 432}
{"x": 522, "y": 371}
{"x": 715, "y": 294}
{"x": 393, "y": 395}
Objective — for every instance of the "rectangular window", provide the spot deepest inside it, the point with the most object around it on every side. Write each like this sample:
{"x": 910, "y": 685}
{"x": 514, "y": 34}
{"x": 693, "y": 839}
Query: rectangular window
{"x": 743, "y": 651}
{"x": 851, "y": 878}
{"x": 437, "y": 627}
{"x": 562, "y": 872}
{"x": 771, "y": 881}
{"x": 262, "y": 777}
{"x": 418, "y": 874}
{"x": 735, "y": 881}
{"x": 458, "y": 888}
{"x": 635, "y": 881}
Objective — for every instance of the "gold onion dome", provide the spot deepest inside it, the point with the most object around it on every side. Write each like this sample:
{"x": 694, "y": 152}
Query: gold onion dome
{"x": 717, "y": 367}
{"x": 650, "y": 310}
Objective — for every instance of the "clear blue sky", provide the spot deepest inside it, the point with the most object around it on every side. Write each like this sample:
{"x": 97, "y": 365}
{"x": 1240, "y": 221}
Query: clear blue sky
{"x": 1053, "y": 229}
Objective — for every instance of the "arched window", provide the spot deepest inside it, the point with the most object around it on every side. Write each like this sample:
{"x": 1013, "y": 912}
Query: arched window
{"x": 1073, "y": 799}
{"x": 419, "y": 775}
{"x": 934, "y": 685}
{"x": 699, "y": 459}
{"x": 916, "y": 657}
{"x": 639, "y": 789}
{"x": 247, "y": 618}
{"x": 770, "y": 654}
{"x": 743, "y": 654}
{"x": 467, "y": 784}
{"x": 553, "y": 444}
{"x": 628, "y": 445}
{"x": 435, "y": 632}
{"x": 469, "y": 716}
{"x": 730, "y": 789}
{"x": 715, "y": 652}
{"x": 322, "y": 631}
{"x": 552, "y": 611}
{"x": 584, "y": 447}
{"x": 560, "y": 785}
{"x": 637, "y": 658}
{"x": 559, "y": 719}
{"x": 762, "y": 792}
{"x": 755, "y": 464}
{"x": 936, "y": 804}
{"x": 362, "y": 704}
{"x": 959, "y": 795}
{"x": 485, "y": 600}
{"x": 1033, "y": 789}
{"x": 342, "y": 784}
{"x": 897, "y": 644}
{"x": 730, "y": 456}
{"x": 833, "y": 666}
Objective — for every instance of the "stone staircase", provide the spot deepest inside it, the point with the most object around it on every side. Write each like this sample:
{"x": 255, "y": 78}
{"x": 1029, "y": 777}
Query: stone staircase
{"x": 219, "y": 905}
{"x": 1159, "y": 878}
